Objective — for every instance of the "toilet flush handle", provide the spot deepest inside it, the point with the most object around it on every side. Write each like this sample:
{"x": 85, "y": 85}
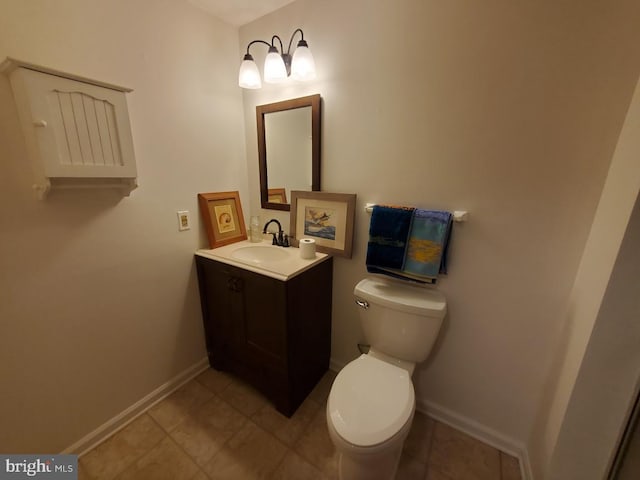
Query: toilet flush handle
{"x": 362, "y": 303}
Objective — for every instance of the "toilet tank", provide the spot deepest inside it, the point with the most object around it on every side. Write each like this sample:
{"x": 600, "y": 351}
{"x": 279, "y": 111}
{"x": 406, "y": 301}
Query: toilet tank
{"x": 400, "y": 319}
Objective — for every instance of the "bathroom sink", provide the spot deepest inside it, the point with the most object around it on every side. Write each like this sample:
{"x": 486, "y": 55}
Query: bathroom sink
{"x": 260, "y": 254}
{"x": 276, "y": 262}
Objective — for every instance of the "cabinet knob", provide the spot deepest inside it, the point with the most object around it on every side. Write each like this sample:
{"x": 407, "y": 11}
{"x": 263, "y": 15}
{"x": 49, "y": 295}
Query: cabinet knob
{"x": 40, "y": 123}
{"x": 234, "y": 284}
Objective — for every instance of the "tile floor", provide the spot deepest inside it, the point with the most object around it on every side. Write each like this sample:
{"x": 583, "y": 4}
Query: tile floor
{"x": 218, "y": 427}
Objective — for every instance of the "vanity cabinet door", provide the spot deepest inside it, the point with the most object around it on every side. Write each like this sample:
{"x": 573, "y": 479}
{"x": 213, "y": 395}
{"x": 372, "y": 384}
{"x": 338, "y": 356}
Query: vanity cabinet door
{"x": 245, "y": 315}
{"x": 263, "y": 331}
{"x": 221, "y": 302}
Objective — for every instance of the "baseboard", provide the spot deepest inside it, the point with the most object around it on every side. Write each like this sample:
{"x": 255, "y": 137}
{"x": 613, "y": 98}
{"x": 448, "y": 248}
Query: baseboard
{"x": 480, "y": 432}
{"x": 125, "y": 417}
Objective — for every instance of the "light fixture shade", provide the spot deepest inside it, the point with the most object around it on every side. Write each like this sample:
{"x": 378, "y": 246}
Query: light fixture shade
{"x": 302, "y": 65}
{"x": 274, "y": 69}
{"x": 249, "y": 75}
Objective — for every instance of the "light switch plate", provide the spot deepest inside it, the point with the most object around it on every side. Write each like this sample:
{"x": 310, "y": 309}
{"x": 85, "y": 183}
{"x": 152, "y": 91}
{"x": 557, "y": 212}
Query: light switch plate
{"x": 184, "y": 220}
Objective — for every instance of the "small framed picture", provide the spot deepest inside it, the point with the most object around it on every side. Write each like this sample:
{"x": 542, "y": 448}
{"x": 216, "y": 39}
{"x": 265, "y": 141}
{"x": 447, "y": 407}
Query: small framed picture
{"x": 222, "y": 216}
{"x": 326, "y": 217}
{"x": 277, "y": 195}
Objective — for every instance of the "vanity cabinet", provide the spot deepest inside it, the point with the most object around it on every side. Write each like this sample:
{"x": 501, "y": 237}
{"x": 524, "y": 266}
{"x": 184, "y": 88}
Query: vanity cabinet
{"x": 274, "y": 334}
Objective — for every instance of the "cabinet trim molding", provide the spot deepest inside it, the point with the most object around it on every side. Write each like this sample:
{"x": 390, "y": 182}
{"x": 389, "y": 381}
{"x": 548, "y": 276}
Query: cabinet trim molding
{"x": 10, "y": 64}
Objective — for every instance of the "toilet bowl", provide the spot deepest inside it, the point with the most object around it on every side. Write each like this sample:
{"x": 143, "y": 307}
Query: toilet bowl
{"x": 369, "y": 414}
{"x": 372, "y": 400}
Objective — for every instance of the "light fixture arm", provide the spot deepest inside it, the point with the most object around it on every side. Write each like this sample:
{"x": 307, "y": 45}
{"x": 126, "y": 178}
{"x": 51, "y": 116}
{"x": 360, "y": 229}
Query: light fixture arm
{"x": 293, "y": 35}
{"x": 256, "y": 41}
{"x": 273, "y": 43}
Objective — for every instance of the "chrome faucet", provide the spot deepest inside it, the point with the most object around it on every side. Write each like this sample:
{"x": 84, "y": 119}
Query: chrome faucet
{"x": 279, "y": 239}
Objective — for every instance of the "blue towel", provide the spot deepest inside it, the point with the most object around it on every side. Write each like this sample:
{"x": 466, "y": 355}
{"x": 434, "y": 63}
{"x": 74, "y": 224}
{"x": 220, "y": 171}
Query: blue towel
{"x": 428, "y": 242}
{"x": 388, "y": 234}
{"x": 408, "y": 243}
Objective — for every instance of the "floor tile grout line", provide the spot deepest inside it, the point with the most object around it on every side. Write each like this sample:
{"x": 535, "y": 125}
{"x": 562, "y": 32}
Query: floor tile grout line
{"x": 299, "y": 435}
{"x": 215, "y": 395}
{"x": 190, "y": 456}
{"x": 247, "y": 418}
{"x": 188, "y": 410}
{"x": 275, "y": 469}
{"x": 430, "y": 441}
{"x": 301, "y": 455}
{"x": 147, "y": 451}
{"x": 164, "y": 430}
{"x": 211, "y": 390}
{"x": 138, "y": 457}
{"x": 168, "y": 434}
{"x": 235, "y": 408}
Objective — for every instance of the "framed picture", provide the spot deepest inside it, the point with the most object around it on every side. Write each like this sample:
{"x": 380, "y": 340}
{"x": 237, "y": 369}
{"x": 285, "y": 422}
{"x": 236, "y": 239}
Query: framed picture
{"x": 222, "y": 216}
{"x": 326, "y": 217}
{"x": 277, "y": 195}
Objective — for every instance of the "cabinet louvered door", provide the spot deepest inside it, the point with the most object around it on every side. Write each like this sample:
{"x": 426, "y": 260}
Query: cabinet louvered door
{"x": 81, "y": 129}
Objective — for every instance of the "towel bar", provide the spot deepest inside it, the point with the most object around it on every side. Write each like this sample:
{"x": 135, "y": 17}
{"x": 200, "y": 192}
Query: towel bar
{"x": 458, "y": 215}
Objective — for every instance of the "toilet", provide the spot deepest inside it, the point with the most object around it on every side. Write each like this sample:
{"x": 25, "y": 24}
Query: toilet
{"x": 372, "y": 400}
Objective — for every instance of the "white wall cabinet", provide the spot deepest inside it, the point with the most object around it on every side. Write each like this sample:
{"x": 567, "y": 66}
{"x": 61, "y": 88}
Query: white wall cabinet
{"x": 77, "y": 130}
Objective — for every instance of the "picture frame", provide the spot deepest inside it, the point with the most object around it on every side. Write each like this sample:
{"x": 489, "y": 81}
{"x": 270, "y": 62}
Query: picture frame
{"x": 327, "y": 218}
{"x": 277, "y": 195}
{"x": 222, "y": 216}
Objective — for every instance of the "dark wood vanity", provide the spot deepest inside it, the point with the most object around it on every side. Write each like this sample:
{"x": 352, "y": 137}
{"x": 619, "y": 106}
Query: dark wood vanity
{"x": 275, "y": 334}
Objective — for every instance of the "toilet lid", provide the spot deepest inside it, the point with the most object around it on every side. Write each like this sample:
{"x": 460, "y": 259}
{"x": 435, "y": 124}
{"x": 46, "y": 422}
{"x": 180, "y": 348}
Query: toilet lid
{"x": 370, "y": 401}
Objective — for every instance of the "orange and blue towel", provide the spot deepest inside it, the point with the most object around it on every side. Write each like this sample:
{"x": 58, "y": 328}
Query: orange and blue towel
{"x": 428, "y": 242}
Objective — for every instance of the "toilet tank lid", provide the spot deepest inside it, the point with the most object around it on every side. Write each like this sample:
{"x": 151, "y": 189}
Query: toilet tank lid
{"x": 402, "y": 296}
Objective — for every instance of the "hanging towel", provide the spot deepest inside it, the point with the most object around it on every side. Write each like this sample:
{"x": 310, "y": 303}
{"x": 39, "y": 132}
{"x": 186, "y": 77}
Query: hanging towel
{"x": 388, "y": 234}
{"x": 427, "y": 246}
{"x": 408, "y": 243}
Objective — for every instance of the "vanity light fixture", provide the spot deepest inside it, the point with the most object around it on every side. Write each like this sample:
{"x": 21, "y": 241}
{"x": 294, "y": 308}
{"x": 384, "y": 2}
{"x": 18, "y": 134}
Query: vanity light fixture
{"x": 278, "y": 65}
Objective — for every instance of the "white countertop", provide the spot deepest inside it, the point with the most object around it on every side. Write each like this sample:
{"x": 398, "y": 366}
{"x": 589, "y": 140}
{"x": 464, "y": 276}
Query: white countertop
{"x": 283, "y": 270}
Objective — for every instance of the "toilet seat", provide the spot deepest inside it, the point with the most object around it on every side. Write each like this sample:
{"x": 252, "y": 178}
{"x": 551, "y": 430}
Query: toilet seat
{"x": 370, "y": 401}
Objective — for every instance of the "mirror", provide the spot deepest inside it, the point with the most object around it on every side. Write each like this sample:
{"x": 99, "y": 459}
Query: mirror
{"x": 288, "y": 149}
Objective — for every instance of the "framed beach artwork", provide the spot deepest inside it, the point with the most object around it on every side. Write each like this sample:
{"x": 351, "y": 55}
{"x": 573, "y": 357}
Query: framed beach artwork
{"x": 277, "y": 195}
{"x": 326, "y": 217}
{"x": 222, "y": 216}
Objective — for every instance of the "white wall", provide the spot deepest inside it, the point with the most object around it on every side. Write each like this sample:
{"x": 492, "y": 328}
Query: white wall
{"x": 98, "y": 295}
{"x": 510, "y": 110}
{"x": 598, "y": 365}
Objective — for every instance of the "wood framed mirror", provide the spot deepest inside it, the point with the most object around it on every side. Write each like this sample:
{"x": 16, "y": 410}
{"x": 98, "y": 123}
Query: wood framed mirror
{"x": 288, "y": 149}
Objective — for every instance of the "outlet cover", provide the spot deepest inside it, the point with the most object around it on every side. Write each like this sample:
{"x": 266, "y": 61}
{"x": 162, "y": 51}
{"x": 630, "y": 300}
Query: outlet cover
{"x": 184, "y": 221}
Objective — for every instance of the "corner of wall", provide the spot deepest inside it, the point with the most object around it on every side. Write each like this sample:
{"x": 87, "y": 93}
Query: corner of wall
{"x": 603, "y": 246}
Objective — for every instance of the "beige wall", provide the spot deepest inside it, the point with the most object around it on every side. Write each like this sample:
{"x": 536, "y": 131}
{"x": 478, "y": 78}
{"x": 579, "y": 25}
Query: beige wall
{"x": 98, "y": 296}
{"x": 510, "y": 110}
{"x": 598, "y": 366}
